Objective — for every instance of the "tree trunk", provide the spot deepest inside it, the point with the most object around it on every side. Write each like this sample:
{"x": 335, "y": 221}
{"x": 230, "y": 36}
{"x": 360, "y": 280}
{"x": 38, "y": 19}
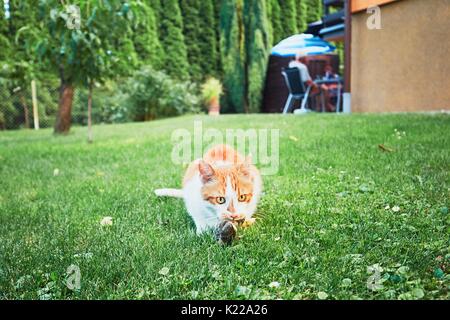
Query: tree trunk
{"x": 63, "y": 118}
{"x": 90, "y": 113}
{"x": 25, "y": 110}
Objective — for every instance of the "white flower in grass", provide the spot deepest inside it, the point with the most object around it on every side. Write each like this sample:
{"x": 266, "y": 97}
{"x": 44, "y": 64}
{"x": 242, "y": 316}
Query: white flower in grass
{"x": 375, "y": 280}
{"x": 55, "y": 172}
{"x": 164, "y": 271}
{"x": 274, "y": 284}
{"x": 106, "y": 221}
{"x": 322, "y": 295}
{"x": 396, "y": 208}
{"x": 387, "y": 207}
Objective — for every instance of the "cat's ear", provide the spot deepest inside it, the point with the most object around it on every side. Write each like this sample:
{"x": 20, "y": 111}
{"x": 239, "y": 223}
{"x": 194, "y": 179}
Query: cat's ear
{"x": 244, "y": 169}
{"x": 206, "y": 171}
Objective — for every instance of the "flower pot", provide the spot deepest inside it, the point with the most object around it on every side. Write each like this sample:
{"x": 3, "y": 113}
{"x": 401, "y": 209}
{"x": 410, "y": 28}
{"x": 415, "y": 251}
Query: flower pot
{"x": 214, "y": 107}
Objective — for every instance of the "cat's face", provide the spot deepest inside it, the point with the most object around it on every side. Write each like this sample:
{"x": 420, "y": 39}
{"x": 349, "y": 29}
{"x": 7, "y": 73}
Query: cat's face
{"x": 228, "y": 190}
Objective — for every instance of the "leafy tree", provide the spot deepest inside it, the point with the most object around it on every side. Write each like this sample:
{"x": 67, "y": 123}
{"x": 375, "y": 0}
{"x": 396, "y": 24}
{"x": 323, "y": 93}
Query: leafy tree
{"x": 232, "y": 58}
{"x": 257, "y": 51}
{"x": 95, "y": 50}
{"x": 175, "y": 58}
{"x": 288, "y": 18}
{"x": 17, "y": 65}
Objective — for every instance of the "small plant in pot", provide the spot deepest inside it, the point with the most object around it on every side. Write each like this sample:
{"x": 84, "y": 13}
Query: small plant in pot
{"x": 211, "y": 91}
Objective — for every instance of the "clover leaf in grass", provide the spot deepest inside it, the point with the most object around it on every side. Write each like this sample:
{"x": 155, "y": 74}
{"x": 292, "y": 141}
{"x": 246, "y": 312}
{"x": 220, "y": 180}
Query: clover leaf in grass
{"x": 417, "y": 293}
{"x": 364, "y": 188}
{"x": 274, "y": 284}
{"x": 403, "y": 270}
{"x": 395, "y": 278}
{"x": 164, "y": 271}
{"x": 322, "y": 295}
{"x": 106, "y": 221}
{"x": 439, "y": 273}
{"x": 242, "y": 291}
{"x": 346, "y": 282}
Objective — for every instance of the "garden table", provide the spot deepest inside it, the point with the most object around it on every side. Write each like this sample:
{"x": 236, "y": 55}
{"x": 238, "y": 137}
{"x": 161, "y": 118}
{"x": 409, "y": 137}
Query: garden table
{"x": 339, "y": 82}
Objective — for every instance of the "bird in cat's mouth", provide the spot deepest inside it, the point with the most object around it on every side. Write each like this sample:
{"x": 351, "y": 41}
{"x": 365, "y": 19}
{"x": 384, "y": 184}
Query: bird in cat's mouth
{"x": 221, "y": 187}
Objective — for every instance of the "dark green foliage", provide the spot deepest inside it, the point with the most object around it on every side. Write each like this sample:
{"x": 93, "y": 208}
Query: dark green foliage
{"x": 208, "y": 43}
{"x": 257, "y": 49}
{"x": 314, "y": 10}
{"x": 109, "y": 105}
{"x": 102, "y": 48}
{"x": 288, "y": 18}
{"x": 151, "y": 94}
{"x": 277, "y": 27}
{"x": 302, "y": 15}
{"x": 17, "y": 63}
{"x": 172, "y": 39}
{"x": 340, "y": 52}
{"x": 191, "y": 32}
{"x": 156, "y": 6}
{"x": 269, "y": 20}
{"x": 232, "y": 58}
{"x": 146, "y": 37}
{"x": 217, "y": 5}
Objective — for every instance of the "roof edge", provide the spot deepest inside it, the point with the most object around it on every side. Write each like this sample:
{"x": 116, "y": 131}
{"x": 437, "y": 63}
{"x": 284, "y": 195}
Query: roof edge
{"x": 360, "y": 5}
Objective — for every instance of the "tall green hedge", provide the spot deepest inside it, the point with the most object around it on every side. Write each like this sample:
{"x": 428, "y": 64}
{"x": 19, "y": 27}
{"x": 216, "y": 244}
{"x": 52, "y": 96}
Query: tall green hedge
{"x": 231, "y": 50}
{"x": 146, "y": 38}
{"x": 257, "y": 49}
{"x": 209, "y": 50}
{"x": 172, "y": 39}
{"x": 288, "y": 18}
{"x": 191, "y": 32}
{"x": 314, "y": 10}
{"x": 275, "y": 19}
{"x": 302, "y": 15}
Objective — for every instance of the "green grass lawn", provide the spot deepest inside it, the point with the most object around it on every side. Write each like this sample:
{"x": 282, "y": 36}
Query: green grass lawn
{"x": 338, "y": 206}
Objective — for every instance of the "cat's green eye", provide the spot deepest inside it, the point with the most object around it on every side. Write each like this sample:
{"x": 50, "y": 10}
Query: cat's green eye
{"x": 220, "y": 200}
{"x": 242, "y": 197}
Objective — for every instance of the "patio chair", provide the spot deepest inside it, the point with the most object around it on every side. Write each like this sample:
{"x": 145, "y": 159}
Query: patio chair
{"x": 297, "y": 90}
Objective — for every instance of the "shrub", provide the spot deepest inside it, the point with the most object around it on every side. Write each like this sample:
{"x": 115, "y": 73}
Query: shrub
{"x": 211, "y": 89}
{"x": 108, "y": 105}
{"x": 153, "y": 94}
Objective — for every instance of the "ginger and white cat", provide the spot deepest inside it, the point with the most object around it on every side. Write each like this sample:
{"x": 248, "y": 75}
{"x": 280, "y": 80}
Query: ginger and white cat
{"x": 222, "y": 185}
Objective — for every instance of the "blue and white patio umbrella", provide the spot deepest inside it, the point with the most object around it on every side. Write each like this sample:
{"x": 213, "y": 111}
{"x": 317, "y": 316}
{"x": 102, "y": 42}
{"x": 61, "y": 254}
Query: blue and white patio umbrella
{"x": 305, "y": 44}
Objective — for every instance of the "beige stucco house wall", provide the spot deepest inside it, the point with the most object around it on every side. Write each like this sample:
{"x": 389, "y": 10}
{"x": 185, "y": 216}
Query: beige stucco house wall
{"x": 405, "y": 66}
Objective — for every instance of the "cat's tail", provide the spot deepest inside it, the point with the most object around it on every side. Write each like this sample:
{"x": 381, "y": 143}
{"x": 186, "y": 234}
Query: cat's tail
{"x": 176, "y": 193}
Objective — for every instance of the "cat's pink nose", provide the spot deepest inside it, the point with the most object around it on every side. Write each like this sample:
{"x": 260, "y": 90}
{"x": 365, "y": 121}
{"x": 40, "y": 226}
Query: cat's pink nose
{"x": 234, "y": 215}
